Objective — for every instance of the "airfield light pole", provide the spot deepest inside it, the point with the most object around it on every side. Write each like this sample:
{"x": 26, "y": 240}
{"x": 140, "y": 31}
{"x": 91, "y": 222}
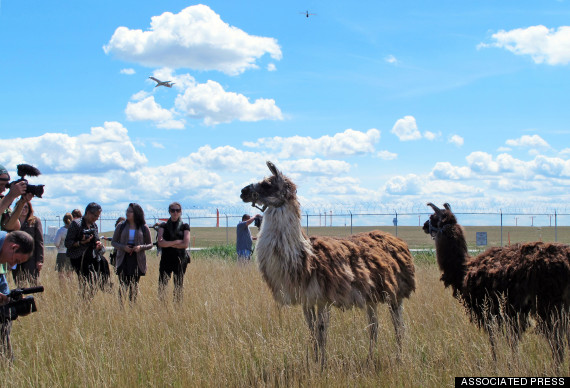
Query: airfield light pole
{"x": 532, "y": 220}
{"x": 396, "y": 222}
{"x": 58, "y": 221}
{"x": 350, "y": 221}
{"x": 501, "y": 210}
{"x": 555, "y": 226}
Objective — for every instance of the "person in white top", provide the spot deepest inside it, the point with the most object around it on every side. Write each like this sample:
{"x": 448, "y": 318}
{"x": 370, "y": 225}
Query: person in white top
{"x": 62, "y": 262}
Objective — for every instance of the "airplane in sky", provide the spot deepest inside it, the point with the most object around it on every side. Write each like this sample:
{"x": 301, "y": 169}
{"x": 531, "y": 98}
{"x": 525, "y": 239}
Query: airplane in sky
{"x": 168, "y": 84}
{"x": 307, "y": 14}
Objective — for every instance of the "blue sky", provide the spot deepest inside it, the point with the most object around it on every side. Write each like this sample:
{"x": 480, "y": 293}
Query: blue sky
{"x": 388, "y": 104}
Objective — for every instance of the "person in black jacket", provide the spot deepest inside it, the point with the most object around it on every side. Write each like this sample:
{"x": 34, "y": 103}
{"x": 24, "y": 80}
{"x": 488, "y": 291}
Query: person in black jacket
{"x": 173, "y": 238}
{"x": 83, "y": 248}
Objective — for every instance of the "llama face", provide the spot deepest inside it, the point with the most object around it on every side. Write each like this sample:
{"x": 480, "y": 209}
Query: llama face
{"x": 439, "y": 219}
{"x": 273, "y": 191}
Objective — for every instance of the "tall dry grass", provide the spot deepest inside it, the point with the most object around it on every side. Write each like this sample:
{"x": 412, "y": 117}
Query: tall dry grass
{"x": 229, "y": 332}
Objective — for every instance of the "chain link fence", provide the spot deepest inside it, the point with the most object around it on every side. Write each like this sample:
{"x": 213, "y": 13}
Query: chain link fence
{"x": 493, "y": 228}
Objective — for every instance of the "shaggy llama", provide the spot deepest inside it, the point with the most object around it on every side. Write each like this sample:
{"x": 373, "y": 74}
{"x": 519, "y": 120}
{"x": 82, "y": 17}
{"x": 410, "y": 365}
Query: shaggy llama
{"x": 319, "y": 272}
{"x": 503, "y": 287}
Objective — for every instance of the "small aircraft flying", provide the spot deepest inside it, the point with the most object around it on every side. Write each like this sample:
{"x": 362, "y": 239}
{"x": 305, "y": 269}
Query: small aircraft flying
{"x": 168, "y": 84}
{"x": 307, "y": 14}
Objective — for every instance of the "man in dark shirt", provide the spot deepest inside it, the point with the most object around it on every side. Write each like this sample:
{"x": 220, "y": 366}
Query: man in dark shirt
{"x": 83, "y": 245}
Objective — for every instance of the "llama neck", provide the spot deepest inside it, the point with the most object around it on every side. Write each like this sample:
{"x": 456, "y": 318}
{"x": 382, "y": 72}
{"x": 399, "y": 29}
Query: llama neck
{"x": 452, "y": 256}
{"x": 281, "y": 239}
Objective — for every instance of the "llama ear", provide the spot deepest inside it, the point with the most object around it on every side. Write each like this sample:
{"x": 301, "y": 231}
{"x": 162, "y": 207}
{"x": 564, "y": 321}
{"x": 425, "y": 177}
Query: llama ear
{"x": 447, "y": 206}
{"x": 273, "y": 169}
{"x": 435, "y": 208}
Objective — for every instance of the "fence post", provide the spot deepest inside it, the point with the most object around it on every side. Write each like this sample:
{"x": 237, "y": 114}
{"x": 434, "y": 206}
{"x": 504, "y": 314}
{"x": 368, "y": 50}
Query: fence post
{"x": 396, "y": 223}
{"x": 307, "y": 223}
{"x": 227, "y": 231}
{"x": 350, "y": 221}
{"x": 501, "y": 227}
{"x": 555, "y": 226}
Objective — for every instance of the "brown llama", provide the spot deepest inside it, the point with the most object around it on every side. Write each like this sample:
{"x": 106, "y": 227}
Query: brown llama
{"x": 503, "y": 287}
{"x": 319, "y": 272}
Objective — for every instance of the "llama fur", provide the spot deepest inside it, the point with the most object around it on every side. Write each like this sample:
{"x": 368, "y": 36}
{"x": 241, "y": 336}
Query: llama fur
{"x": 319, "y": 272}
{"x": 503, "y": 287}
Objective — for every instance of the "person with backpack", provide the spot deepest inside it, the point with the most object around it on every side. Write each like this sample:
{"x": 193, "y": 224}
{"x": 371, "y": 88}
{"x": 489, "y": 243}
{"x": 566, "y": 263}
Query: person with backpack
{"x": 131, "y": 239}
{"x": 173, "y": 238}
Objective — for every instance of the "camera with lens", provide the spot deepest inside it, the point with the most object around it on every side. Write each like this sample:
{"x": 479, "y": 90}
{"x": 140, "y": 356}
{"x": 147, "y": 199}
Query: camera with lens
{"x": 88, "y": 232}
{"x": 26, "y": 169}
{"x": 18, "y": 305}
{"x": 257, "y": 221}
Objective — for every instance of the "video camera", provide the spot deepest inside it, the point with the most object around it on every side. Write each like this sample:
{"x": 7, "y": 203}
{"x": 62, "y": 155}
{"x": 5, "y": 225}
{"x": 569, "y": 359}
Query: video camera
{"x": 26, "y": 169}
{"x": 19, "y": 306}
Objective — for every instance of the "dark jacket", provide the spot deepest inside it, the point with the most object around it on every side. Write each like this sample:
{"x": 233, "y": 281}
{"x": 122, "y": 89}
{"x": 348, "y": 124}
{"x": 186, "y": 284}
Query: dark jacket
{"x": 75, "y": 233}
{"x": 36, "y": 231}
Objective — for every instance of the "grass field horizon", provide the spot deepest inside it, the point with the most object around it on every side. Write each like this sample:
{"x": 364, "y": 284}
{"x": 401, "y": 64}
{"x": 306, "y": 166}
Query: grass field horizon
{"x": 229, "y": 332}
{"x": 203, "y": 237}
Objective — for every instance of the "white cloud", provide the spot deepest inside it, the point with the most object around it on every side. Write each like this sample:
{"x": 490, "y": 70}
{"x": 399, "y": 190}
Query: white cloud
{"x": 140, "y": 95}
{"x": 457, "y": 140}
{"x": 158, "y": 145}
{"x": 104, "y": 148}
{"x": 316, "y": 166}
{"x": 482, "y": 162}
{"x": 391, "y": 59}
{"x": 210, "y": 102}
{"x": 149, "y": 109}
{"x": 431, "y": 135}
{"x": 386, "y": 155}
{"x": 128, "y": 71}
{"x": 406, "y": 129}
{"x": 404, "y": 185}
{"x": 544, "y": 45}
{"x": 271, "y": 67}
{"x": 195, "y": 38}
{"x": 227, "y": 158}
{"x": 445, "y": 170}
{"x": 349, "y": 142}
{"x": 528, "y": 141}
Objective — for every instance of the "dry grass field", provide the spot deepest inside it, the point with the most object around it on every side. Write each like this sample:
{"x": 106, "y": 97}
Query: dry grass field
{"x": 229, "y": 332}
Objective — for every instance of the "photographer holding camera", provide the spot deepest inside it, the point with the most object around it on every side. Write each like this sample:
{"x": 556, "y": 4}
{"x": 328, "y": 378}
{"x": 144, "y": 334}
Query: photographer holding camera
{"x": 15, "y": 248}
{"x": 83, "y": 247}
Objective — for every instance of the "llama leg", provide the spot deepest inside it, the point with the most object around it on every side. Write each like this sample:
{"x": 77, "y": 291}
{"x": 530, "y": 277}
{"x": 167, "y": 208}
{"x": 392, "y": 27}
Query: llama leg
{"x": 372, "y": 327}
{"x": 323, "y": 317}
{"x": 311, "y": 317}
{"x": 396, "y": 312}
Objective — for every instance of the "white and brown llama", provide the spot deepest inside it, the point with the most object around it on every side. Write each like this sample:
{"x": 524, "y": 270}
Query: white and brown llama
{"x": 319, "y": 272}
{"x": 503, "y": 287}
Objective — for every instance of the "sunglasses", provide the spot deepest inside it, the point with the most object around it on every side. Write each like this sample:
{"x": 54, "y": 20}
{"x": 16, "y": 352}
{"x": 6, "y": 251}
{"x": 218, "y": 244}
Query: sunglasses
{"x": 175, "y": 210}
